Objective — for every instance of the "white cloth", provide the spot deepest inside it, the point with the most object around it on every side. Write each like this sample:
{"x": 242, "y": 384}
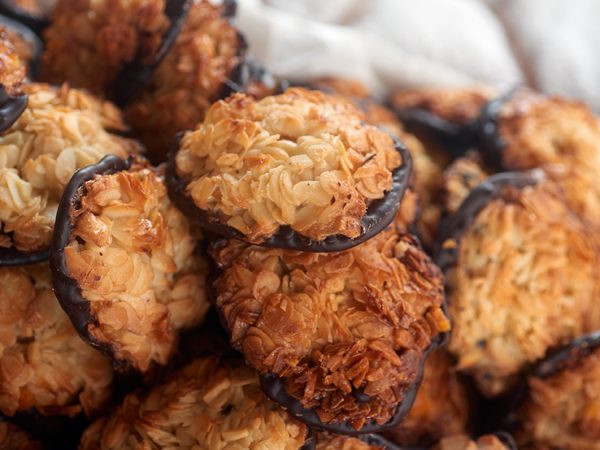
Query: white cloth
{"x": 387, "y": 44}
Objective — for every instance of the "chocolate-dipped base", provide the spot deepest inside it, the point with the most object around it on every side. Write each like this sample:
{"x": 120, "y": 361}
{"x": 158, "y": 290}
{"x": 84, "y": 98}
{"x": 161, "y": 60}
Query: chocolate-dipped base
{"x": 567, "y": 356}
{"x": 134, "y": 75}
{"x": 457, "y": 137}
{"x": 31, "y": 21}
{"x": 66, "y": 288}
{"x": 489, "y": 141}
{"x": 11, "y": 108}
{"x": 13, "y": 257}
{"x": 274, "y": 387}
{"x": 457, "y": 224}
{"x": 380, "y": 213}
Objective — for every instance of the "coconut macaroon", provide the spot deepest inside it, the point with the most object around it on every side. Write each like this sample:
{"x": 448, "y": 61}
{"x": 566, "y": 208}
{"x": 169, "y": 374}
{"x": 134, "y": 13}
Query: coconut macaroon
{"x": 14, "y": 438}
{"x": 562, "y": 404}
{"x": 208, "y": 405}
{"x": 124, "y": 261}
{"x": 12, "y": 65}
{"x": 521, "y": 273}
{"x": 91, "y": 43}
{"x": 44, "y": 364}
{"x": 527, "y": 130}
{"x": 60, "y": 130}
{"x": 442, "y": 406}
{"x": 289, "y": 170}
{"x": 339, "y": 338}
{"x": 203, "y": 65}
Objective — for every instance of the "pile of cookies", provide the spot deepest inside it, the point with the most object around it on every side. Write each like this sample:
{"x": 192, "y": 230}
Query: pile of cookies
{"x": 197, "y": 255}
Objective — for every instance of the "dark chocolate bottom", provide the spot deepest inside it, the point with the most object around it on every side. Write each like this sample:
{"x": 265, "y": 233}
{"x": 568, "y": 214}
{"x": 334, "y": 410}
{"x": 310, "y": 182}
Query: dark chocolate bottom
{"x": 378, "y": 217}
{"x": 34, "y": 23}
{"x": 273, "y": 386}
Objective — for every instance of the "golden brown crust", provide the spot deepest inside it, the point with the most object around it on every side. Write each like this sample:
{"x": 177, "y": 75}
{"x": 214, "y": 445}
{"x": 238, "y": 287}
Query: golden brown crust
{"x": 560, "y": 136}
{"x": 441, "y": 407}
{"x": 206, "y": 406}
{"x": 524, "y": 281}
{"x": 460, "y": 105}
{"x": 13, "y": 438}
{"x": 464, "y": 442}
{"x": 60, "y": 131}
{"x": 43, "y": 362}
{"x": 331, "y": 323}
{"x": 89, "y": 41}
{"x": 563, "y": 410}
{"x": 132, "y": 254}
{"x": 189, "y": 79}
{"x": 301, "y": 159}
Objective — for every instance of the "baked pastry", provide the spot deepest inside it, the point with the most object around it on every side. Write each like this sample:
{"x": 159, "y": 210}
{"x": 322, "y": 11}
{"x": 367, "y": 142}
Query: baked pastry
{"x": 13, "y": 438}
{"x": 60, "y": 131}
{"x": 448, "y": 115}
{"x": 521, "y": 276}
{"x": 124, "y": 265}
{"x": 44, "y": 364}
{"x": 339, "y": 338}
{"x": 427, "y": 173}
{"x": 562, "y": 404}
{"x": 443, "y": 406}
{"x": 208, "y": 405}
{"x": 524, "y": 130}
{"x": 297, "y": 170}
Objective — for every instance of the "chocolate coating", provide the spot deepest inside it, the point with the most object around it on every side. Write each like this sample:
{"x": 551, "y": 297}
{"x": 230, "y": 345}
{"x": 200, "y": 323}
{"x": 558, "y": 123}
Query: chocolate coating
{"x": 457, "y": 224}
{"x": 13, "y": 257}
{"x": 66, "y": 288}
{"x": 489, "y": 140}
{"x": 567, "y": 356}
{"x": 35, "y": 23}
{"x": 11, "y": 108}
{"x": 507, "y": 439}
{"x": 379, "y": 215}
{"x": 134, "y": 74}
{"x": 274, "y": 388}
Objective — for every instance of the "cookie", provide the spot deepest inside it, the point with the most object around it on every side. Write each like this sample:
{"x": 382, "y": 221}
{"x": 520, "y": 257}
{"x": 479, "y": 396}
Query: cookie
{"x": 124, "y": 265}
{"x": 297, "y": 170}
{"x": 339, "y": 338}
{"x": 521, "y": 277}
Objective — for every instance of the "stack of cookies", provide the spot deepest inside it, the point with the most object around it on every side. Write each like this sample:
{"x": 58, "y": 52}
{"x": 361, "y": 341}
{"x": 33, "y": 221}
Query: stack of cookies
{"x": 196, "y": 255}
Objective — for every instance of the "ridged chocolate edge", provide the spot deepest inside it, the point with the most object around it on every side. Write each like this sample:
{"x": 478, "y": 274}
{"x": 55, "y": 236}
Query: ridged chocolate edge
{"x": 568, "y": 355}
{"x": 490, "y": 143}
{"x": 66, "y": 288}
{"x": 379, "y": 215}
{"x": 273, "y": 387}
